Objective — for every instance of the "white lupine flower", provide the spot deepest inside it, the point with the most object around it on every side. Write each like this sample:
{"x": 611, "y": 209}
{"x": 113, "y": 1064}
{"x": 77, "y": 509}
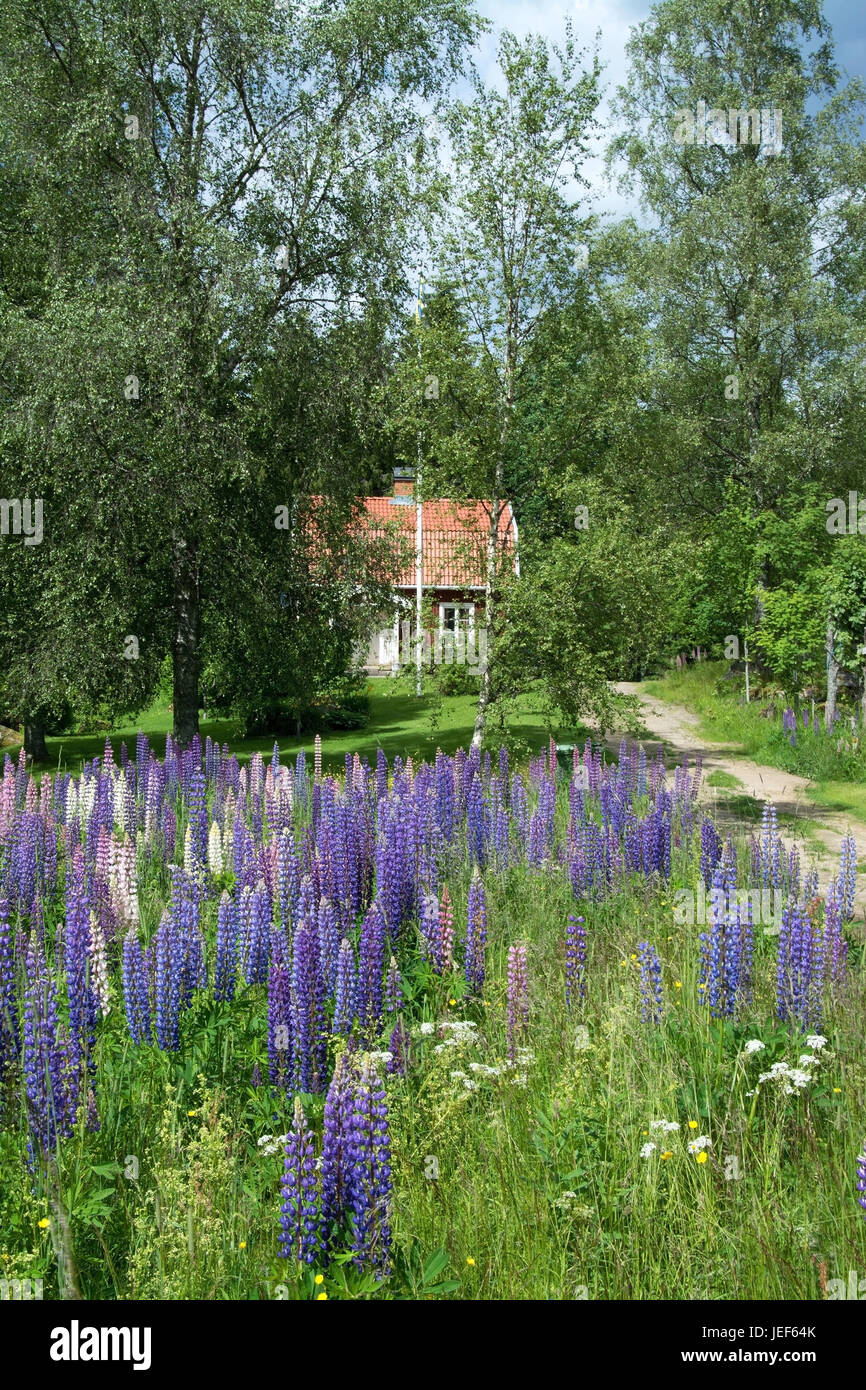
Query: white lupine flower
{"x": 120, "y": 798}
{"x": 188, "y": 860}
{"x": 698, "y": 1143}
{"x": 754, "y": 1045}
{"x": 99, "y": 966}
{"x": 215, "y": 850}
{"x": 647, "y": 1150}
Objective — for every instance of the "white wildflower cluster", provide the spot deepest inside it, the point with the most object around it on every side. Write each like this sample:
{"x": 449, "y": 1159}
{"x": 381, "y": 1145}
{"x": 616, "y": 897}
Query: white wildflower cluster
{"x": 666, "y": 1126}
{"x": 791, "y": 1079}
{"x": 382, "y": 1058}
{"x": 568, "y": 1201}
{"x": 468, "y": 1083}
{"x": 700, "y": 1141}
{"x": 425, "y": 1030}
{"x": 462, "y": 1027}
{"x": 754, "y": 1045}
{"x": 648, "y": 1149}
{"x": 481, "y": 1069}
{"x": 460, "y": 1033}
{"x": 271, "y": 1144}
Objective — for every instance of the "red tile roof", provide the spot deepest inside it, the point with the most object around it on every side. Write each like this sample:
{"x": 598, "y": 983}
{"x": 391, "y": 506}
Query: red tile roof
{"x": 454, "y": 538}
{"x": 454, "y": 547}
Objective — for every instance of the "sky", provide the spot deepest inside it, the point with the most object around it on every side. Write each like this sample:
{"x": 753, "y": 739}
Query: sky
{"x": 614, "y": 19}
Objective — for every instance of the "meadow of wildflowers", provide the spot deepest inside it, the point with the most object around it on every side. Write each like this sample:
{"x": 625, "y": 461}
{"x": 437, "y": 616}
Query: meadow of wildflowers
{"x": 412, "y": 1032}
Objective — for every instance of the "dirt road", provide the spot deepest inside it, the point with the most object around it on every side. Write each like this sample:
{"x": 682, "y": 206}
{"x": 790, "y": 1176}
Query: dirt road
{"x": 678, "y": 730}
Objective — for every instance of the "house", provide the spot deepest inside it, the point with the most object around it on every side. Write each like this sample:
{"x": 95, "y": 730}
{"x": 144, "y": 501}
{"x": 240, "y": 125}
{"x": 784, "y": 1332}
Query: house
{"x": 454, "y": 537}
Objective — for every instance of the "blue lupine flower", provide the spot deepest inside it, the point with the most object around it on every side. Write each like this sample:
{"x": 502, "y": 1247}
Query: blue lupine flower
{"x": 650, "y": 983}
{"x": 301, "y": 1219}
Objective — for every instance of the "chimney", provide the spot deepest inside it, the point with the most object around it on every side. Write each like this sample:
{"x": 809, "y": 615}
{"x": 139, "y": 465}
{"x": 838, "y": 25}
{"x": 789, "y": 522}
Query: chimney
{"x": 404, "y": 482}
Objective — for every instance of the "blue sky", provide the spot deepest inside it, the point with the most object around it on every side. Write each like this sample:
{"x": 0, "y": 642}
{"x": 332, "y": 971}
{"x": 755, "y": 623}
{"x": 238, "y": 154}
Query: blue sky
{"x": 615, "y": 18}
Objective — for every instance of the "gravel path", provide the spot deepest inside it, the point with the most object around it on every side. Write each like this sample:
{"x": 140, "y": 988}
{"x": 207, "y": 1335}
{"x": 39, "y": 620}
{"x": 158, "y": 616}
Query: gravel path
{"x": 678, "y": 729}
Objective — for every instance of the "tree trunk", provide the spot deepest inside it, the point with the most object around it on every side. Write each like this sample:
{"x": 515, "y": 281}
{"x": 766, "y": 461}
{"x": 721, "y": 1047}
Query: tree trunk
{"x": 832, "y": 679}
{"x": 489, "y": 590}
{"x": 185, "y": 640}
{"x": 34, "y": 742}
{"x": 493, "y": 535}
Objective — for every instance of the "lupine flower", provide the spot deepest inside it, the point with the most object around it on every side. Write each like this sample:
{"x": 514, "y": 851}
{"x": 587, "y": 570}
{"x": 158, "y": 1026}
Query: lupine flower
{"x": 476, "y": 933}
{"x": 575, "y": 961}
{"x": 518, "y": 998}
{"x": 650, "y": 983}
{"x": 50, "y": 1106}
{"x": 861, "y": 1178}
{"x": 226, "y": 949}
{"x": 369, "y": 1173}
{"x": 9, "y": 1034}
{"x": 335, "y": 1146}
{"x": 445, "y": 942}
{"x": 848, "y": 876}
{"x": 215, "y": 849}
{"x": 300, "y": 1223}
{"x": 136, "y": 992}
{"x": 393, "y": 988}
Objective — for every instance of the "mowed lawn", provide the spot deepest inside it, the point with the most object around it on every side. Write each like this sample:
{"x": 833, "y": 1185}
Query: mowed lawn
{"x": 399, "y": 724}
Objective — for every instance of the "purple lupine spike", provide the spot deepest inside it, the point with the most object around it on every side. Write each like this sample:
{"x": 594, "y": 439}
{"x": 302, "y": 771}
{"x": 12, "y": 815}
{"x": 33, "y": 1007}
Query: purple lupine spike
{"x": 10, "y": 1038}
{"x": 518, "y": 998}
{"x": 861, "y": 1178}
{"x": 280, "y": 1060}
{"x": 371, "y": 966}
{"x": 226, "y": 949}
{"x": 301, "y": 1218}
{"x": 136, "y": 993}
{"x": 345, "y": 991}
{"x": 848, "y": 876}
{"x": 335, "y": 1145}
{"x": 369, "y": 1164}
{"x": 836, "y": 945}
{"x": 800, "y": 969}
{"x": 711, "y": 850}
{"x": 167, "y": 983}
{"x": 393, "y": 988}
{"x": 309, "y": 1039}
{"x": 650, "y": 983}
{"x": 575, "y": 961}
{"x": 51, "y": 1111}
{"x": 476, "y": 933}
{"x": 256, "y": 964}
